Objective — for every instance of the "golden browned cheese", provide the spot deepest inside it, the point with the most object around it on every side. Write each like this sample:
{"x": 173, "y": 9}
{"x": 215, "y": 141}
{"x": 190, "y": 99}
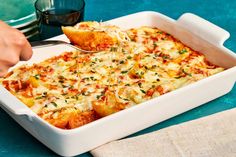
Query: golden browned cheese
{"x": 91, "y": 41}
{"x": 70, "y": 118}
{"x": 107, "y": 106}
{"x": 92, "y": 36}
{"x": 69, "y": 91}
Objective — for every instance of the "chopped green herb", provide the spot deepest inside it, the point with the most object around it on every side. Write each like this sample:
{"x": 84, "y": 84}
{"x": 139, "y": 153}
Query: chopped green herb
{"x": 124, "y": 72}
{"x": 123, "y": 98}
{"x": 99, "y": 96}
{"x": 71, "y": 87}
{"x": 142, "y": 91}
{"x": 100, "y": 60}
{"x": 127, "y": 84}
{"x": 54, "y": 104}
{"x": 122, "y": 62}
{"x": 177, "y": 77}
{"x": 165, "y": 57}
{"x": 40, "y": 97}
{"x": 139, "y": 73}
{"x": 66, "y": 86}
{"x": 154, "y": 66}
{"x": 76, "y": 97}
{"x": 61, "y": 81}
{"x": 37, "y": 76}
{"x": 92, "y": 78}
{"x": 140, "y": 84}
{"x": 186, "y": 72}
{"x": 155, "y": 44}
{"x": 183, "y": 51}
{"x": 129, "y": 57}
{"x": 86, "y": 78}
{"x": 114, "y": 49}
{"x": 92, "y": 63}
{"x": 156, "y": 55}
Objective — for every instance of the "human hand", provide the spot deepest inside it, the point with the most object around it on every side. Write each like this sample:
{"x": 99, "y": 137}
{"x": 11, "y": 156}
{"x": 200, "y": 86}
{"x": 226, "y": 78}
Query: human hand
{"x": 13, "y": 47}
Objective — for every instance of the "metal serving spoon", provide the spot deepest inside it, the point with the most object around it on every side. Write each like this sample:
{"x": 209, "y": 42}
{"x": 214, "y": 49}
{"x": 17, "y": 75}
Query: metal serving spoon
{"x": 44, "y": 43}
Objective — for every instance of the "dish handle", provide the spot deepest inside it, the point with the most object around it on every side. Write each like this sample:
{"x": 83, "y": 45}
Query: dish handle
{"x": 204, "y": 29}
{"x": 12, "y": 104}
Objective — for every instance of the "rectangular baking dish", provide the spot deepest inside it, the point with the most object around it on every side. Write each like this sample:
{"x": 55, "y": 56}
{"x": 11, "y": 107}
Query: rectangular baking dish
{"x": 192, "y": 30}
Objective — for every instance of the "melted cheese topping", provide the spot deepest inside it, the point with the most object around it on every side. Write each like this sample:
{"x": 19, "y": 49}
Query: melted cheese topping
{"x": 111, "y": 30}
{"x": 71, "y": 90}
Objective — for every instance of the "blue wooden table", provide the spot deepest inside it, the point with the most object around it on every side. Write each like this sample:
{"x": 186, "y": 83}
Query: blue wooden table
{"x": 15, "y": 141}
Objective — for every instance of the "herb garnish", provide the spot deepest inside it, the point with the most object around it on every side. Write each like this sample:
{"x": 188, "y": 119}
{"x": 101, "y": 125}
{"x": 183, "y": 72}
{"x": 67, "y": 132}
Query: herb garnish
{"x": 54, "y": 104}
{"x": 124, "y": 72}
{"x": 114, "y": 49}
{"x": 155, "y": 45}
{"x": 40, "y": 97}
{"x": 186, "y": 72}
{"x": 123, "y": 98}
{"x": 183, "y": 51}
{"x": 142, "y": 91}
{"x": 37, "y": 76}
{"x": 122, "y": 62}
{"x": 129, "y": 57}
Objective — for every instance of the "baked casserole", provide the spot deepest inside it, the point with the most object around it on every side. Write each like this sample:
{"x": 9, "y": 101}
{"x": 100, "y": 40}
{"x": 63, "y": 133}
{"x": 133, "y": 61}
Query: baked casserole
{"x": 132, "y": 66}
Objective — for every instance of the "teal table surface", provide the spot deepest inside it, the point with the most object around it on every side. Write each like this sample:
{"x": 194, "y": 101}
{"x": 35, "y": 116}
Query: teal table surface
{"x": 15, "y": 141}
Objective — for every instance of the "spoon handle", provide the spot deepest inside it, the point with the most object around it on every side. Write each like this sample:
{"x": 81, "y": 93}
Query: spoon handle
{"x": 38, "y": 44}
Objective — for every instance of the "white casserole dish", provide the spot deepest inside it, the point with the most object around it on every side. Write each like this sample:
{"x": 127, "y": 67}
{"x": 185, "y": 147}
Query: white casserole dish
{"x": 191, "y": 30}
